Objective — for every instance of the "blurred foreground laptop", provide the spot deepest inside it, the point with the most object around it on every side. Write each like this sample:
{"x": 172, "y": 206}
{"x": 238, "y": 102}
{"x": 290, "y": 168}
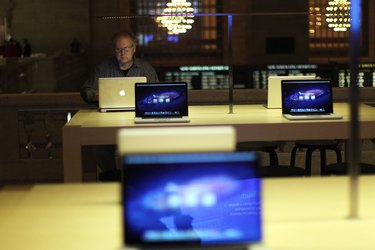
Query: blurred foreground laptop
{"x": 307, "y": 100}
{"x": 176, "y": 139}
{"x": 117, "y": 93}
{"x": 161, "y": 102}
{"x": 191, "y": 200}
{"x": 274, "y": 89}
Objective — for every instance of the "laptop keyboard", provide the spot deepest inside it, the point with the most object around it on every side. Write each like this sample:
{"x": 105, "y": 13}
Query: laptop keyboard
{"x": 253, "y": 246}
{"x": 200, "y": 248}
{"x": 315, "y": 117}
{"x": 163, "y": 118}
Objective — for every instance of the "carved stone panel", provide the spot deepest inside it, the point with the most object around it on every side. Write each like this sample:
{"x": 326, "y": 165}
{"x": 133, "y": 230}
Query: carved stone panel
{"x": 39, "y": 133}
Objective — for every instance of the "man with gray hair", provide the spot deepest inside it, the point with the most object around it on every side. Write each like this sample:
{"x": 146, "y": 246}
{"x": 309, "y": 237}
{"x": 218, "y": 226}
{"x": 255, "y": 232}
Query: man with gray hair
{"x": 123, "y": 64}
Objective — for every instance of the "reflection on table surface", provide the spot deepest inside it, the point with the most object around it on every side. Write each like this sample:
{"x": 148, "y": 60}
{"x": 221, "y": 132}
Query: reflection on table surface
{"x": 298, "y": 213}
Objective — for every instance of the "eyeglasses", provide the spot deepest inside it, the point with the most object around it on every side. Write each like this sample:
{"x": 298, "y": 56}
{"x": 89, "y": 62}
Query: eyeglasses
{"x": 126, "y": 49}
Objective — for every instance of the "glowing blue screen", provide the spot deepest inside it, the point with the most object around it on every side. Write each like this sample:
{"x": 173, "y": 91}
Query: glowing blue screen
{"x": 202, "y": 199}
{"x": 307, "y": 96}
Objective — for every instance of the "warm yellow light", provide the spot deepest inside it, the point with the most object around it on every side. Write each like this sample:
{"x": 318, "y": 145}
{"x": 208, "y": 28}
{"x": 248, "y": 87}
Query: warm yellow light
{"x": 177, "y": 17}
{"x": 338, "y": 15}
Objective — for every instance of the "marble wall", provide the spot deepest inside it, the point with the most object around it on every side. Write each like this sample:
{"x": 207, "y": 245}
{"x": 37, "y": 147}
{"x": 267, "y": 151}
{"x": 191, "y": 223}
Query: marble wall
{"x": 50, "y": 26}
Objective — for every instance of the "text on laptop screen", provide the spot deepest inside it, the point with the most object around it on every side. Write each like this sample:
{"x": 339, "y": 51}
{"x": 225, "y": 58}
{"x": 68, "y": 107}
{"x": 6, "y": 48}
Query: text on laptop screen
{"x": 307, "y": 97}
{"x": 195, "y": 199}
{"x": 161, "y": 99}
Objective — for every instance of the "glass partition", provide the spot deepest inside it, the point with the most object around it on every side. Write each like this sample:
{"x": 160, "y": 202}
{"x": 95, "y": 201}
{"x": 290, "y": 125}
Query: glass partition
{"x": 308, "y": 38}
{"x": 294, "y": 38}
{"x": 269, "y": 38}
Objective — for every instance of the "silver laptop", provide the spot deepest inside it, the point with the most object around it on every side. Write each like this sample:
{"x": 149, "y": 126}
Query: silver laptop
{"x": 117, "y": 93}
{"x": 307, "y": 100}
{"x": 191, "y": 201}
{"x": 161, "y": 102}
{"x": 274, "y": 89}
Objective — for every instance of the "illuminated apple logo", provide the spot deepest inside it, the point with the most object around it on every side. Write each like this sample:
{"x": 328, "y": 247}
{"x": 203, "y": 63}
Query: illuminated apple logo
{"x": 122, "y": 92}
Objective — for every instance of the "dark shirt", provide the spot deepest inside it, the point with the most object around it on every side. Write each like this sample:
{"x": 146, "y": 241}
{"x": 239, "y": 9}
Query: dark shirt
{"x": 111, "y": 68}
{"x": 26, "y": 50}
{"x": 125, "y": 71}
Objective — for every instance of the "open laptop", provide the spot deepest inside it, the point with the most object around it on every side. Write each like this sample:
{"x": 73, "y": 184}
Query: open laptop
{"x": 117, "y": 93}
{"x": 274, "y": 89}
{"x": 187, "y": 200}
{"x": 307, "y": 99}
{"x": 161, "y": 102}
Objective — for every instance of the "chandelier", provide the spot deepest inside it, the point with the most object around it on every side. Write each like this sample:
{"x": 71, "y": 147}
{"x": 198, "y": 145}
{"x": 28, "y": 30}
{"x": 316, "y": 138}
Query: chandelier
{"x": 338, "y": 15}
{"x": 177, "y": 18}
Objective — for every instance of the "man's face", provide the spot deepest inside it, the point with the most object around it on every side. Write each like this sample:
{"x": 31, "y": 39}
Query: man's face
{"x": 124, "y": 50}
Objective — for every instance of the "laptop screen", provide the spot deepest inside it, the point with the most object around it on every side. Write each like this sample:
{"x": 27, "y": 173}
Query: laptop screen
{"x": 274, "y": 89}
{"x": 306, "y": 97}
{"x": 161, "y": 100}
{"x": 195, "y": 199}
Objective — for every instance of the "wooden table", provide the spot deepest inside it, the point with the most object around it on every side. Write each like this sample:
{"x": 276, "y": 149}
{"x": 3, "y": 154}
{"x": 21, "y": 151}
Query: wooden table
{"x": 298, "y": 213}
{"x": 252, "y": 123}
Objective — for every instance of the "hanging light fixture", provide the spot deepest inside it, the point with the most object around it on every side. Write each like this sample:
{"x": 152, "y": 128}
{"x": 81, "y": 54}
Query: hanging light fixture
{"x": 338, "y": 15}
{"x": 177, "y": 17}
